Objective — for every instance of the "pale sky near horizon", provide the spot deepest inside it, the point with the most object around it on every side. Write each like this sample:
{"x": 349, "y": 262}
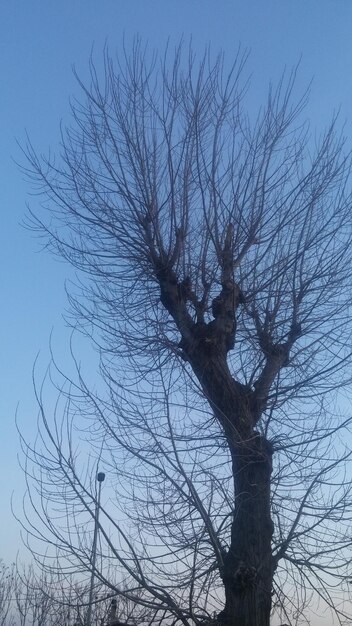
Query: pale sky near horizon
{"x": 40, "y": 42}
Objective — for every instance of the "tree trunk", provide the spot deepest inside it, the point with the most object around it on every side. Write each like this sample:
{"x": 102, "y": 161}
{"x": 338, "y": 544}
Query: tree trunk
{"x": 247, "y": 566}
{"x": 248, "y": 571}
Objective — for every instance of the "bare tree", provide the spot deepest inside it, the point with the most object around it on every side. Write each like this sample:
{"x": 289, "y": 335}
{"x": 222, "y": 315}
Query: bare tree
{"x": 7, "y": 582}
{"x": 214, "y": 252}
{"x": 32, "y": 605}
{"x": 36, "y": 599}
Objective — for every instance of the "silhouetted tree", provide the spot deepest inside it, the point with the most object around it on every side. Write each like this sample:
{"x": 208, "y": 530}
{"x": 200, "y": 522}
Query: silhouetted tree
{"x": 7, "y": 582}
{"x": 37, "y": 599}
{"x": 215, "y": 260}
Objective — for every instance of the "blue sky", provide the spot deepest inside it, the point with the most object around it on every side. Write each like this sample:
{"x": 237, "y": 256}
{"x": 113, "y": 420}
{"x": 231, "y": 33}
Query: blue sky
{"x": 40, "y": 42}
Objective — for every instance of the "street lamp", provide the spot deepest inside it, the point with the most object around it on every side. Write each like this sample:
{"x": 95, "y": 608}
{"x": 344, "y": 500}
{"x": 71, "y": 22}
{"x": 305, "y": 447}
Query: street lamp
{"x": 100, "y": 480}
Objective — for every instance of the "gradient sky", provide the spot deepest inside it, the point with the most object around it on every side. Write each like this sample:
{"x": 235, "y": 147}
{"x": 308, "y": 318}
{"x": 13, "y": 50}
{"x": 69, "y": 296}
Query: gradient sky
{"x": 40, "y": 41}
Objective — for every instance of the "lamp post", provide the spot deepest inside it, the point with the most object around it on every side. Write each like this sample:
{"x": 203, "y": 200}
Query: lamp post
{"x": 100, "y": 480}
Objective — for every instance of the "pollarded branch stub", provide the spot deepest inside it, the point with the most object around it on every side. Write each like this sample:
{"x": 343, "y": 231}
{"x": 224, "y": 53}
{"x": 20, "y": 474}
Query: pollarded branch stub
{"x": 187, "y": 294}
{"x": 228, "y": 299}
{"x": 169, "y": 294}
{"x": 179, "y": 243}
{"x": 171, "y": 298}
{"x": 224, "y": 307}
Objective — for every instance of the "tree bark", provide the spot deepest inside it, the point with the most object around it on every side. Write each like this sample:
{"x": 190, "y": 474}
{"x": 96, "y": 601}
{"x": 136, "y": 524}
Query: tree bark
{"x": 248, "y": 570}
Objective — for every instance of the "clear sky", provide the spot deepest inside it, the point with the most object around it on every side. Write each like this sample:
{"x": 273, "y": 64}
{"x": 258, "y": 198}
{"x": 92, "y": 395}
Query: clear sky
{"x": 40, "y": 41}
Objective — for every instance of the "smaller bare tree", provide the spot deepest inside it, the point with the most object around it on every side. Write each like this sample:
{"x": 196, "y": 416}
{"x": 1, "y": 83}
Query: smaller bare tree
{"x": 7, "y": 586}
{"x": 39, "y": 599}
